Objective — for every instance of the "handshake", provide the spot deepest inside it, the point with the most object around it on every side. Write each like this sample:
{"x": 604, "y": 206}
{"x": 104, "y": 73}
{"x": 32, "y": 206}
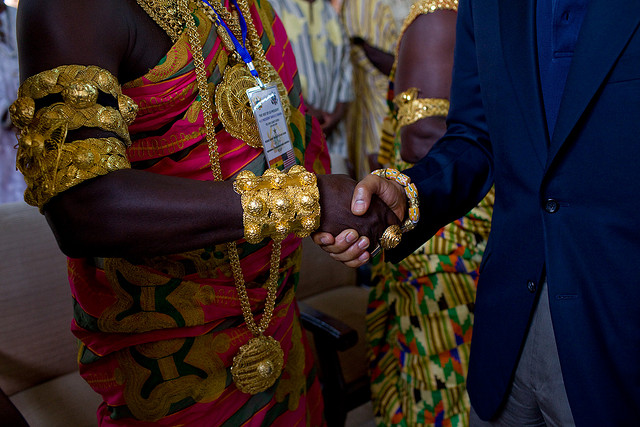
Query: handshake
{"x": 358, "y": 219}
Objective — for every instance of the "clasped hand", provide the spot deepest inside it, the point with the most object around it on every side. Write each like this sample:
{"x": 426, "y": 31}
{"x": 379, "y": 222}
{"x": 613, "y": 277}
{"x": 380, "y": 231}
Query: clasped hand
{"x": 354, "y": 216}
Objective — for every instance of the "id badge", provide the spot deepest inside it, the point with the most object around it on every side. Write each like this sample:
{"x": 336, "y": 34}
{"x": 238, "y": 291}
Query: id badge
{"x": 272, "y": 125}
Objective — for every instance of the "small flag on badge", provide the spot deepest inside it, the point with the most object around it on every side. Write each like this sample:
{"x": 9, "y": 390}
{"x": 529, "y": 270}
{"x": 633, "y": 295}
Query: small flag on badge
{"x": 289, "y": 159}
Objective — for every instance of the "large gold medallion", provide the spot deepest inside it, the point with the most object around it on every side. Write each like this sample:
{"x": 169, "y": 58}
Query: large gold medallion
{"x": 257, "y": 365}
{"x": 232, "y": 102}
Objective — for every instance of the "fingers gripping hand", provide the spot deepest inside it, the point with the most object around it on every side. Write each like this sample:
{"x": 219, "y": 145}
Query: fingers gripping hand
{"x": 390, "y": 192}
{"x": 347, "y": 247}
{"x": 352, "y": 249}
{"x": 323, "y": 239}
{"x": 353, "y": 233}
{"x": 335, "y": 205}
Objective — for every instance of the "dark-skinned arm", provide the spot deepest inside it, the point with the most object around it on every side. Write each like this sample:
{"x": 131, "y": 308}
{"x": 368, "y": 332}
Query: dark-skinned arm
{"x": 131, "y": 212}
{"x": 380, "y": 59}
{"x": 330, "y": 120}
{"x": 425, "y": 61}
{"x": 128, "y": 212}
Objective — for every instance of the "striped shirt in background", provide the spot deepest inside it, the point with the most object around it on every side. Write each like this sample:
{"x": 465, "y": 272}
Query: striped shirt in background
{"x": 378, "y": 22}
{"x": 12, "y": 183}
{"x": 321, "y": 48}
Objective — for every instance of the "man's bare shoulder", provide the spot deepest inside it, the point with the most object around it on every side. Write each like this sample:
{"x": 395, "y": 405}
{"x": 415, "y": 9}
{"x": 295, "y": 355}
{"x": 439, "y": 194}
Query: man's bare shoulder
{"x": 62, "y": 32}
{"x": 116, "y": 35}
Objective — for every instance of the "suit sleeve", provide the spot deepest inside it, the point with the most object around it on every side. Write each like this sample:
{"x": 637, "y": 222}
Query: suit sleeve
{"x": 458, "y": 171}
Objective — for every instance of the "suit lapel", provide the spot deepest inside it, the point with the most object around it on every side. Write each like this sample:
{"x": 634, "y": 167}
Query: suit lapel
{"x": 605, "y": 31}
{"x": 518, "y": 35}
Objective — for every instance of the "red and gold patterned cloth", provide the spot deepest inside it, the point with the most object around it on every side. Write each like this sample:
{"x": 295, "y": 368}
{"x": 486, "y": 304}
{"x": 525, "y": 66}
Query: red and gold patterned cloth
{"x": 158, "y": 335}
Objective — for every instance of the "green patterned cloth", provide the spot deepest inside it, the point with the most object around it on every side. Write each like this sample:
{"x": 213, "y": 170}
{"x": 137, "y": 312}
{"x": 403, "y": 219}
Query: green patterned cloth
{"x": 420, "y": 316}
{"x": 419, "y": 325}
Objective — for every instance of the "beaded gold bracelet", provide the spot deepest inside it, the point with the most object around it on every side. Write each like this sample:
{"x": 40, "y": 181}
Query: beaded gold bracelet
{"x": 393, "y": 234}
{"x": 277, "y": 204}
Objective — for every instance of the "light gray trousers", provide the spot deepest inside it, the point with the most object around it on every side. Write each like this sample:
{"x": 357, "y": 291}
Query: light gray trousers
{"x": 537, "y": 396}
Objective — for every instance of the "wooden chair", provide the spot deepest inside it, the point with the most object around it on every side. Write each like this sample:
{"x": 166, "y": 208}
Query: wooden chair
{"x": 38, "y": 353}
{"x": 333, "y": 307}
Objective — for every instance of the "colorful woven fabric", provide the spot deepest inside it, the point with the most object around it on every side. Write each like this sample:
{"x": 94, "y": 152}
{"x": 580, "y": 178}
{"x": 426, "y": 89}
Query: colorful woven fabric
{"x": 419, "y": 326}
{"x": 420, "y": 313}
{"x": 158, "y": 335}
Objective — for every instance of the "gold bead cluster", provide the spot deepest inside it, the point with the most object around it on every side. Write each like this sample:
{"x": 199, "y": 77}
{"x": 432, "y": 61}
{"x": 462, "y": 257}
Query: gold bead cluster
{"x": 278, "y": 204}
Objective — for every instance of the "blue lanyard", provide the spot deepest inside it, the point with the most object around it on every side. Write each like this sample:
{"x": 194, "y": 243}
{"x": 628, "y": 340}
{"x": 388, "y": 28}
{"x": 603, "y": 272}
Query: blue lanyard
{"x": 240, "y": 47}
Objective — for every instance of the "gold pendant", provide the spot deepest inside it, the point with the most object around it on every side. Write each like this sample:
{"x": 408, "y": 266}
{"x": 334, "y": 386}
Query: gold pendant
{"x": 391, "y": 237}
{"x": 232, "y": 102}
{"x": 257, "y": 365}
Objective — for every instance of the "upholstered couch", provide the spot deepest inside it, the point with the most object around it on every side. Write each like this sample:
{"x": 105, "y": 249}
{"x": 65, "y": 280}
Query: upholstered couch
{"x": 38, "y": 368}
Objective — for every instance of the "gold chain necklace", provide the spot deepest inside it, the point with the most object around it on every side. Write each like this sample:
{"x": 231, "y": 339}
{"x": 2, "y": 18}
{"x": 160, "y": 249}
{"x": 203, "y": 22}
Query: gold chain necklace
{"x": 259, "y": 362}
{"x": 165, "y": 14}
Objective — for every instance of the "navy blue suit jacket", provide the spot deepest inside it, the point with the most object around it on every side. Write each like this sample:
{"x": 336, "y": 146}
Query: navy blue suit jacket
{"x": 566, "y": 206}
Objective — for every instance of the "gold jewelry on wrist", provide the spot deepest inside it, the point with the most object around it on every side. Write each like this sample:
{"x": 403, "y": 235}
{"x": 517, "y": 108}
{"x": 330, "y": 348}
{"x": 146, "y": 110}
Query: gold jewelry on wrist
{"x": 411, "y": 108}
{"x": 393, "y": 234}
{"x": 277, "y": 204}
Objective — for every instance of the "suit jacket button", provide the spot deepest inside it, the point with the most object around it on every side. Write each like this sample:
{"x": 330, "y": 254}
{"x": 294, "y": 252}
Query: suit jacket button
{"x": 551, "y": 205}
{"x": 531, "y": 286}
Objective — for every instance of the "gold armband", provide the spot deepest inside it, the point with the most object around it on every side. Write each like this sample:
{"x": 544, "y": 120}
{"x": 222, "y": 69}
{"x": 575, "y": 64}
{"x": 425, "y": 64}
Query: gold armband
{"x": 53, "y": 171}
{"x": 79, "y": 87}
{"x": 49, "y": 164}
{"x": 105, "y": 118}
{"x": 277, "y": 203}
{"x": 411, "y": 108}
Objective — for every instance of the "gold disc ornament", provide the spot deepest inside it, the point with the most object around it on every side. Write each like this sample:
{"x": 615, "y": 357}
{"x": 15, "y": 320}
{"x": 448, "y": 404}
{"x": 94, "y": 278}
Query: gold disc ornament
{"x": 232, "y": 102}
{"x": 257, "y": 365}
